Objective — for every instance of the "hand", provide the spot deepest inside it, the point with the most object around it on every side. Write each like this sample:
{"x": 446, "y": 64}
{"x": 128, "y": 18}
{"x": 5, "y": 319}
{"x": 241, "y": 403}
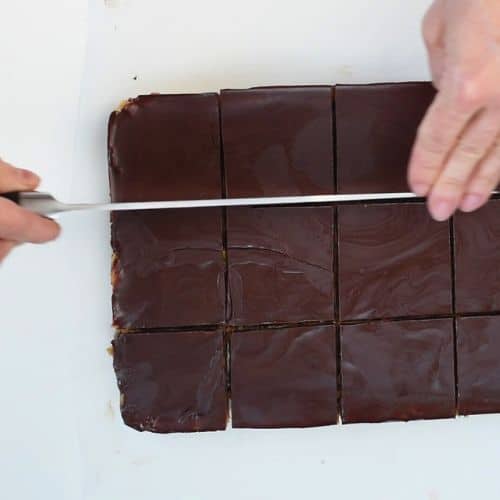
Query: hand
{"x": 456, "y": 158}
{"x": 18, "y": 225}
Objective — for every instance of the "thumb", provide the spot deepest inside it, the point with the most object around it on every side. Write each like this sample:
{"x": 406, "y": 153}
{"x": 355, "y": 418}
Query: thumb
{"x": 16, "y": 179}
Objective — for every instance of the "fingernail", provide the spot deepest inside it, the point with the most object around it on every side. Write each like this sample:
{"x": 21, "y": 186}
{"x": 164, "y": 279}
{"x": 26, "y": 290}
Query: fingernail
{"x": 420, "y": 189}
{"x": 471, "y": 202}
{"x": 442, "y": 210}
{"x": 29, "y": 178}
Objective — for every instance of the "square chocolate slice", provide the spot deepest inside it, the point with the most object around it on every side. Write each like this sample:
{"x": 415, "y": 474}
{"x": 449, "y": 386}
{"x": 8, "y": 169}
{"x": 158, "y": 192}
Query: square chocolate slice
{"x": 278, "y": 141}
{"x": 477, "y": 253}
{"x": 172, "y": 381}
{"x": 284, "y": 377}
{"x": 478, "y": 364}
{"x": 280, "y": 264}
{"x": 401, "y": 370}
{"x": 165, "y": 147}
{"x": 394, "y": 261}
{"x": 376, "y": 127}
{"x": 168, "y": 269}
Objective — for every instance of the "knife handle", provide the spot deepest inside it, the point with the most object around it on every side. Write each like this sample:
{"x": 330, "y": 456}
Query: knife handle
{"x": 35, "y": 201}
{"x": 13, "y": 196}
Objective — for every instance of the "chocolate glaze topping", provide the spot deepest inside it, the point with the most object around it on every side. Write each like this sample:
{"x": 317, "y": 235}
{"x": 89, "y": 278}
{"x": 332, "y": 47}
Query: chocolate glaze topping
{"x": 394, "y": 261}
{"x": 284, "y": 377}
{"x": 478, "y": 361}
{"x": 280, "y": 264}
{"x": 477, "y": 257}
{"x": 165, "y": 147}
{"x": 168, "y": 269}
{"x": 288, "y": 296}
{"x": 172, "y": 381}
{"x": 376, "y": 126}
{"x": 278, "y": 141}
{"x": 399, "y": 370}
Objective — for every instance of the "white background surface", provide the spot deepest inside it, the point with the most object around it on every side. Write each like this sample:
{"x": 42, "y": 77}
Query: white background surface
{"x": 61, "y": 435}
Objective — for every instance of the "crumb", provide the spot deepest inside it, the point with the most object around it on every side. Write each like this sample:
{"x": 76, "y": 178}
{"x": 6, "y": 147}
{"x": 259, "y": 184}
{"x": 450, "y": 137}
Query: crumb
{"x": 115, "y": 261}
{"x": 110, "y": 411}
{"x": 124, "y": 104}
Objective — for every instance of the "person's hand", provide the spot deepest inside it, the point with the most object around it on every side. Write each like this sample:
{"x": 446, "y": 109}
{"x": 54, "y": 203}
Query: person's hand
{"x": 18, "y": 225}
{"x": 456, "y": 157}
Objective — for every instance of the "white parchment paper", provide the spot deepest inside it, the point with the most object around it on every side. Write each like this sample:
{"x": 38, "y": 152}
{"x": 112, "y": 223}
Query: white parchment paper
{"x": 61, "y": 435}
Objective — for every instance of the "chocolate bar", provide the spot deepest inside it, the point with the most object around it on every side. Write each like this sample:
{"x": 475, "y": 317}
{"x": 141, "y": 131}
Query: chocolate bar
{"x": 478, "y": 361}
{"x": 477, "y": 253}
{"x": 284, "y": 377}
{"x": 278, "y": 141}
{"x": 280, "y": 265}
{"x": 172, "y": 381}
{"x": 394, "y": 261}
{"x": 399, "y": 370}
{"x": 165, "y": 147}
{"x": 376, "y": 126}
{"x": 168, "y": 268}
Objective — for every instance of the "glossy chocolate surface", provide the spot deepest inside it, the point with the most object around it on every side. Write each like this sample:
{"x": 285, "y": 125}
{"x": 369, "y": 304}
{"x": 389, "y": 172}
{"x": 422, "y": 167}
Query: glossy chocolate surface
{"x": 278, "y": 141}
{"x": 284, "y": 377}
{"x": 376, "y": 127}
{"x": 478, "y": 362}
{"x": 165, "y": 147}
{"x": 169, "y": 268}
{"x": 394, "y": 261}
{"x": 280, "y": 262}
{"x": 400, "y": 370}
{"x": 477, "y": 257}
{"x": 172, "y": 382}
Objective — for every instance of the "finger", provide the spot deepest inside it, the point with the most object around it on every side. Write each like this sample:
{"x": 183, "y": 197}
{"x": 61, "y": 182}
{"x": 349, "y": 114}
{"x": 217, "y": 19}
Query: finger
{"x": 436, "y": 63}
{"x": 484, "y": 180}
{"x": 20, "y": 225}
{"x": 16, "y": 179}
{"x": 472, "y": 146}
{"x": 5, "y": 248}
{"x": 433, "y": 25}
{"x": 433, "y": 35}
{"x": 442, "y": 125}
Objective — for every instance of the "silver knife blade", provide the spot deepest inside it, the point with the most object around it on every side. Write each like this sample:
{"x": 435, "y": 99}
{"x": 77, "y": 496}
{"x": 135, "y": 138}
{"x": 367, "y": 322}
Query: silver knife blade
{"x": 46, "y": 204}
{"x": 248, "y": 202}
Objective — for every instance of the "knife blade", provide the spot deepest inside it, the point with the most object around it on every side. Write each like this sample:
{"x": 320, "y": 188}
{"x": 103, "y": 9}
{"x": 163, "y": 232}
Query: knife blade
{"x": 46, "y": 204}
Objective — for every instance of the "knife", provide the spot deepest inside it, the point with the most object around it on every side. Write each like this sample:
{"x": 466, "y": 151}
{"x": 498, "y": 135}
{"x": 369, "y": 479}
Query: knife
{"x": 45, "y": 204}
